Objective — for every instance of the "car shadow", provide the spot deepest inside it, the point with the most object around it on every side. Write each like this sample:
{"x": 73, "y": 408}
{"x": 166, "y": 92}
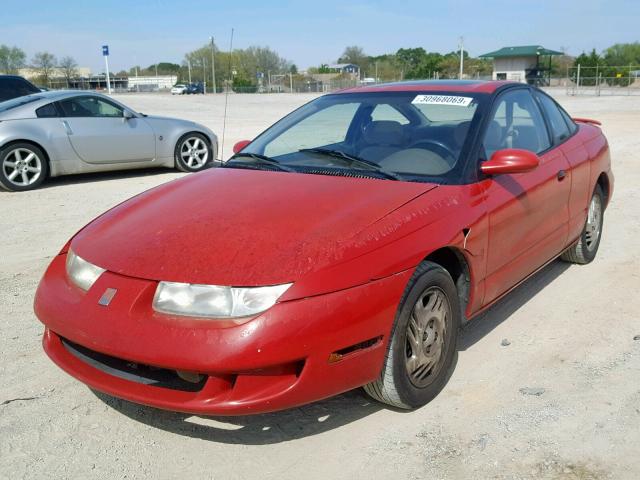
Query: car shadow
{"x": 103, "y": 176}
{"x": 480, "y": 326}
{"x": 260, "y": 429}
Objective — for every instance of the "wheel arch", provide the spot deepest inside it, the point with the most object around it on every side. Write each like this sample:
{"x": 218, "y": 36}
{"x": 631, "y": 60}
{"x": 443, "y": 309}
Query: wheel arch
{"x": 51, "y": 172}
{"x": 605, "y": 185}
{"x": 455, "y": 263}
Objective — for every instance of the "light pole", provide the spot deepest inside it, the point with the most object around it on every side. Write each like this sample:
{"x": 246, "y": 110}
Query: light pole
{"x": 213, "y": 66}
{"x": 189, "y": 66}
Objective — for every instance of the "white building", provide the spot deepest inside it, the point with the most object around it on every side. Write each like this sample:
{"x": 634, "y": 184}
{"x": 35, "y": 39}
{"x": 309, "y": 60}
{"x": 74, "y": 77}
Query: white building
{"x": 152, "y": 83}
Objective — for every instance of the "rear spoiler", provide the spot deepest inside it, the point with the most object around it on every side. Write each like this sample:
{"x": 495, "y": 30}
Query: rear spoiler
{"x": 586, "y": 120}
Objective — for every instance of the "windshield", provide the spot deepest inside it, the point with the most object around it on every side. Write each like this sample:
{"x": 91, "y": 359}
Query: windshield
{"x": 401, "y": 135}
{"x": 17, "y": 102}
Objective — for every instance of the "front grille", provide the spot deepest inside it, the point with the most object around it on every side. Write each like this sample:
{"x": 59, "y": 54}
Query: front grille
{"x": 133, "y": 371}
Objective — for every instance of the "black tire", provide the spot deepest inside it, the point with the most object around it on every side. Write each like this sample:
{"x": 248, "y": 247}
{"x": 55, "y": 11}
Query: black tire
{"x": 395, "y": 386}
{"x": 586, "y": 248}
{"x": 182, "y": 162}
{"x": 17, "y": 164}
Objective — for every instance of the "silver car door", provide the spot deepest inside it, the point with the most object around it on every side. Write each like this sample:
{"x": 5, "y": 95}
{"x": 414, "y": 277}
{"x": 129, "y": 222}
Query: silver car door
{"x": 100, "y": 132}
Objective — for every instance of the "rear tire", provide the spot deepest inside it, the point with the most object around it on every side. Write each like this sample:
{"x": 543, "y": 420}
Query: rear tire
{"x": 586, "y": 248}
{"x": 422, "y": 348}
{"x": 23, "y": 166}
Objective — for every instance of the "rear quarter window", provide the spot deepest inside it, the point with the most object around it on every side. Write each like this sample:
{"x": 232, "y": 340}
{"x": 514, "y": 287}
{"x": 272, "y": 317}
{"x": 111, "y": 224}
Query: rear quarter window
{"x": 47, "y": 111}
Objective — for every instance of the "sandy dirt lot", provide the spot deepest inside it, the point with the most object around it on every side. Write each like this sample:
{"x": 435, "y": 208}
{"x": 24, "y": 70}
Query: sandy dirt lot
{"x": 571, "y": 331}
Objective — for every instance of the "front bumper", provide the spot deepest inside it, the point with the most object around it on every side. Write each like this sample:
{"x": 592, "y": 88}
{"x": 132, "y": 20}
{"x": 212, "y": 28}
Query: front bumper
{"x": 282, "y": 358}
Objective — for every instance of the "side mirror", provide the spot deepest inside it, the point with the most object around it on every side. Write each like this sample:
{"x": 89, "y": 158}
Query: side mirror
{"x": 128, "y": 115}
{"x": 510, "y": 160}
{"x": 240, "y": 145}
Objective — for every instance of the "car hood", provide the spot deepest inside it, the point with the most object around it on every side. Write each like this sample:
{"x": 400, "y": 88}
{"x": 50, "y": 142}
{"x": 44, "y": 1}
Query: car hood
{"x": 239, "y": 227}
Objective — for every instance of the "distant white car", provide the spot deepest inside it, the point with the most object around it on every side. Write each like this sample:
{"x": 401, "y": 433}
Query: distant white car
{"x": 179, "y": 89}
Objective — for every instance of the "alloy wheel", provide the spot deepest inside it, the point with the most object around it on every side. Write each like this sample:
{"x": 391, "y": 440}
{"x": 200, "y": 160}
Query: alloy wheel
{"x": 426, "y": 331}
{"x": 22, "y": 167}
{"x": 594, "y": 222}
{"x": 194, "y": 152}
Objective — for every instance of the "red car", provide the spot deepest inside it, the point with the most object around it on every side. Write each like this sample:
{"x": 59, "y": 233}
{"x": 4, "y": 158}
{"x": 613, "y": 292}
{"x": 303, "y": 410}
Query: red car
{"x": 343, "y": 247}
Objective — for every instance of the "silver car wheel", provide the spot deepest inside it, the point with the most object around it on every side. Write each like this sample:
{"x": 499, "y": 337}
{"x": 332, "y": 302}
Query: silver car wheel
{"x": 22, "y": 167}
{"x": 426, "y": 332}
{"x": 194, "y": 152}
{"x": 594, "y": 222}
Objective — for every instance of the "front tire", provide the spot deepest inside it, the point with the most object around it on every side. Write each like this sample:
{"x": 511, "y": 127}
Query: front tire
{"x": 193, "y": 153}
{"x": 421, "y": 351}
{"x": 586, "y": 248}
{"x": 23, "y": 166}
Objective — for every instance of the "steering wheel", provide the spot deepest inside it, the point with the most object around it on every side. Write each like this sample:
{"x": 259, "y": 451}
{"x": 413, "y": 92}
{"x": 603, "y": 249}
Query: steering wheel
{"x": 439, "y": 149}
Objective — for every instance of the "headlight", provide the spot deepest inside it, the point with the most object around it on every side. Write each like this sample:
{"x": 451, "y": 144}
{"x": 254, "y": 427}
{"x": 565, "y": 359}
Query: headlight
{"x": 81, "y": 272}
{"x": 213, "y": 301}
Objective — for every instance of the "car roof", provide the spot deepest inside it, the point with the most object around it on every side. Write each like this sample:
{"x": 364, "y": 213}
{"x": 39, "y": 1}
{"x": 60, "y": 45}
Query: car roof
{"x": 467, "y": 86}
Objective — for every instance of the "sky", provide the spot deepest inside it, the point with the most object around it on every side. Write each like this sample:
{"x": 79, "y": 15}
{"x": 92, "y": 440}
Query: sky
{"x": 308, "y": 33}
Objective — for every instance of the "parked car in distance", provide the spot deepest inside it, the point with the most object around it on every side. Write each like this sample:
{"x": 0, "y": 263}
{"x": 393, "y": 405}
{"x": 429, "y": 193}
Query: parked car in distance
{"x": 66, "y": 132}
{"x": 343, "y": 247}
{"x": 195, "y": 88}
{"x": 12, "y": 86}
{"x": 179, "y": 89}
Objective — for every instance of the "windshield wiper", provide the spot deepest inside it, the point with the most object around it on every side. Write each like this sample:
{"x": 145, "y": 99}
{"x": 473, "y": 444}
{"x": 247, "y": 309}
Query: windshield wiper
{"x": 264, "y": 159}
{"x": 352, "y": 159}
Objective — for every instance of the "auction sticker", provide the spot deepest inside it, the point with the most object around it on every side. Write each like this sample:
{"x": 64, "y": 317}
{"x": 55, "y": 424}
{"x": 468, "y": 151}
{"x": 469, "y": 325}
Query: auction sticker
{"x": 442, "y": 100}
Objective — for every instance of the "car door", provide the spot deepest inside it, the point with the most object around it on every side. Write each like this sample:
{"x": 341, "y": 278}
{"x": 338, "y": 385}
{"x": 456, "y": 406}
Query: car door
{"x": 100, "y": 133}
{"x": 528, "y": 212}
{"x": 562, "y": 130}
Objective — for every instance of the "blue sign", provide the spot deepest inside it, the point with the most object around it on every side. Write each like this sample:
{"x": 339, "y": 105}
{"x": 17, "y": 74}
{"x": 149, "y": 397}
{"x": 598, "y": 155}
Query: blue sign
{"x": 259, "y": 75}
{"x": 105, "y": 50}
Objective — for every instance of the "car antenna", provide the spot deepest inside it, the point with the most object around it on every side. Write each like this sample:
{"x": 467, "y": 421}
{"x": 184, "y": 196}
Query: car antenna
{"x": 226, "y": 98}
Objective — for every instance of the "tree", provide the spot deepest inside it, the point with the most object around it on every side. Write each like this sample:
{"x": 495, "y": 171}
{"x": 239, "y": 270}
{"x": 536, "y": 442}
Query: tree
{"x": 623, "y": 54}
{"x": 11, "y": 59}
{"x": 69, "y": 68}
{"x": 44, "y": 63}
{"x": 588, "y": 64}
{"x": 355, "y": 55}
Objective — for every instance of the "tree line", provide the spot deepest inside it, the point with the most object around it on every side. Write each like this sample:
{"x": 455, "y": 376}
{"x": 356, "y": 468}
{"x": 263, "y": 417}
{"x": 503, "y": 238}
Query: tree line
{"x": 46, "y": 65}
{"x": 247, "y": 68}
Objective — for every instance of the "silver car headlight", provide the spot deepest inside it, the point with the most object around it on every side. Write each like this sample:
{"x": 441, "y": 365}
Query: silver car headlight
{"x": 80, "y": 272}
{"x": 213, "y": 301}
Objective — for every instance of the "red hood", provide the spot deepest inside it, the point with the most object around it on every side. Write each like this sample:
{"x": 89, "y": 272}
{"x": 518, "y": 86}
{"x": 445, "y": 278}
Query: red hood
{"x": 239, "y": 227}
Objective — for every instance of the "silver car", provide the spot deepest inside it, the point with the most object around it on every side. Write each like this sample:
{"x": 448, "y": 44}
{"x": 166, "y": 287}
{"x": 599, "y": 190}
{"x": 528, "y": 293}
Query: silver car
{"x": 61, "y": 133}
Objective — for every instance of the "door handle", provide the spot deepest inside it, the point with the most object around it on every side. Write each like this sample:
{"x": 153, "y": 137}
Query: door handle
{"x": 561, "y": 175}
{"x": 67, "y": 127}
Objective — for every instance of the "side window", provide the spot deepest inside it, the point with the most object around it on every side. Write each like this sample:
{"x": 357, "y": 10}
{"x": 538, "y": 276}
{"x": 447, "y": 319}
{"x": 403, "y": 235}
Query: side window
{"x": 47, "y": 111}
{"x": 90, "y": 107}
{"x": 559, "y": 128}
{"x": 572, "y": 125}
{"x": 325, "y": 127}
{"x": 516, "y": 122}
{"x": 384, "y": 111}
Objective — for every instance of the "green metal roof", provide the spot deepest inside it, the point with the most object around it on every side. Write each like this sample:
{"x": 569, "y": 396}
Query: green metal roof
{"x": 522, "y": 51}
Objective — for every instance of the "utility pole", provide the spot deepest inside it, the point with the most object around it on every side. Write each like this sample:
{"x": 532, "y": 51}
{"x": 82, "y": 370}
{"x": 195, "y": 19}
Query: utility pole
{"x": 461, "y": 56}
{"x": 376, "y": 72}
{"x": 204, "y": 74}
{"x": 213, "y": 66}
{"x": 291, "y": 82}
{"x": 189, "y": 67}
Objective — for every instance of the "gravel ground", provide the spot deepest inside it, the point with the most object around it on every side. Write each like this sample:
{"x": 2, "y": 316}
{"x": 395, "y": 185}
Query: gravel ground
{"x": 547, "y": 383}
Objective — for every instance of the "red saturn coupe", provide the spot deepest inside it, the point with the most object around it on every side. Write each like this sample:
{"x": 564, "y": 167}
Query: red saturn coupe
{"x": 343, "y": 247}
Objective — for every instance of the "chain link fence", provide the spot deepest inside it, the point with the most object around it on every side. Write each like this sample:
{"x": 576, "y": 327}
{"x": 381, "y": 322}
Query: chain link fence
{"x": 603, "y": 80}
